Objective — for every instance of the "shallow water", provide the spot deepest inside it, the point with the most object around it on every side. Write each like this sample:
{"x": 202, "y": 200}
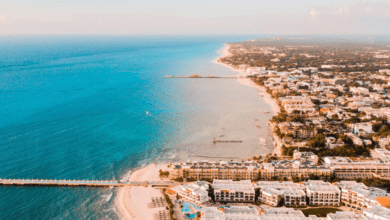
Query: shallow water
{"x": 75, "y": 108}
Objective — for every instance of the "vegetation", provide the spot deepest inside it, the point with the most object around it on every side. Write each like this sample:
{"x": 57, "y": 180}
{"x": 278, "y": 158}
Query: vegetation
{"x": 319, "y": 212}
{"x": 170, "y": 205}
{"x": 163, "y": 173}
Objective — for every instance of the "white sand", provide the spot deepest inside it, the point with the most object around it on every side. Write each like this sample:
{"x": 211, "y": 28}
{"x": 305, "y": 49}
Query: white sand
{"x": 132, "y": 202}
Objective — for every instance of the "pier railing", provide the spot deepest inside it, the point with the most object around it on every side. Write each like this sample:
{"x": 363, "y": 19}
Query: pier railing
{"x": 81, "y": 183}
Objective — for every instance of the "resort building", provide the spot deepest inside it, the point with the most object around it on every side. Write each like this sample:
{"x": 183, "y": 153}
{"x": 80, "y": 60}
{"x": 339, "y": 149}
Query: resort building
{"x": 350, "y": 168}
{"x": 377, "y": 212}
{"x": 271, "y": 192}
{"x": 233, "y": 191}
{"x": 357, "y": 196}
{"x": 196, "y": 192}
{"x": 286, "y": 214}
{"x": 322, "y": 193}
{"x": 345, "y": 216}
{"x": 209, "y": 170}
{"x": 301, "y": 167}
{"x": 230, "y": 213}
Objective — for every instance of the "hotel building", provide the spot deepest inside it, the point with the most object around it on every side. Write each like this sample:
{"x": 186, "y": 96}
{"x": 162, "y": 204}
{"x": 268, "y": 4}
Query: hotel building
{"x": 322, "y": 193}
{"x": 233, "y": 191}
{"x": 303, "y": 166}
{"x": 222, "y": 170}
{"x": 271, "y": 193}
{"x": 196, "y": 192}
{"x": 357, "y": 196}
{"x": 230, "y": 213}
{"x": 377, "y": 212}
{"x": 350, "y": 168}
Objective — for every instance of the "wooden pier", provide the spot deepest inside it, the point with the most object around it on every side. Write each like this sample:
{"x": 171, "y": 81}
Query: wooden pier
{"x": 205, "y": 77}
{"x": 79, "y": 183}
{"x": 226, "y": 141}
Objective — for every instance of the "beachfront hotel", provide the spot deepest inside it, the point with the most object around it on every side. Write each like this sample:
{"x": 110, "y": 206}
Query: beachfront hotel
{"x": 322, "y": 193}
{"x": 222, "y": 170}
{"x": 229, "y": 213}
{"x": 233, "y": 191}
{"x": 377, "y": 212}
{"x": 357, "y": 196}
{"x": 350, "y": 168}
{"x": 285, "y": 214}
{"x": 196, "y": 192}
{"x": 303, "y": 166}
{"x": 271, "y": 192}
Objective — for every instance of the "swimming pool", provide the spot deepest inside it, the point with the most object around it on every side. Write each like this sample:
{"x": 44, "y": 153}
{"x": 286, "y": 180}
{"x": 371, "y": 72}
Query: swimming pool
{"x": 187, "y": 210}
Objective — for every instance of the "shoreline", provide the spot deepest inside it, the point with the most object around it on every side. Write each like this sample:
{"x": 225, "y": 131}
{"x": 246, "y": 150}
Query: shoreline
{"x": 131, "y": 202}
{"x": 268, "y": 99}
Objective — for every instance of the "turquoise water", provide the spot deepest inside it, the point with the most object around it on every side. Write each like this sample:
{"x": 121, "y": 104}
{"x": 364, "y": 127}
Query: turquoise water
{"x": 187, "y": 205}
{"x": 75, "y": 108}
{"x": 186, "y": 209}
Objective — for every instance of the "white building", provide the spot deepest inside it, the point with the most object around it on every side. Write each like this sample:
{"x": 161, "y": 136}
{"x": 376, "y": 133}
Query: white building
{"x": 322, "y": 193}
{"x": 196, "y": 192}
{"x": 286, "y": 214}
{"x": 345, "y": 216}
{"x": 380, "y": 153}
{"x": 361, "y": 129}
{"x": 271, "y": 192}
{"x": 233, "y": 191}
{"x": 357, "y": 196}
{"x": 350, "y": 168}
{"x": 230, "y": 213}
{"x": 377, "y": 212}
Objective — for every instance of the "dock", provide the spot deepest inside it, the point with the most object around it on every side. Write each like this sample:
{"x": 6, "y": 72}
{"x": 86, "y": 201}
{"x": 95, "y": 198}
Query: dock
{"x": 206, "y": 77}
{"x": 226, "y": 141}
{"x": 80, "y": 183}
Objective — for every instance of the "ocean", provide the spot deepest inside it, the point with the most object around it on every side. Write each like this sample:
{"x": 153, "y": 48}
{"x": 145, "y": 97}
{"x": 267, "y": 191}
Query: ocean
{"x": 75, "y": 107}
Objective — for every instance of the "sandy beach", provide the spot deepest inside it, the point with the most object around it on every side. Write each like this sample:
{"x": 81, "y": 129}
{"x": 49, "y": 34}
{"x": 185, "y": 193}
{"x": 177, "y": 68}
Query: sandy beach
{"x": 225, "y": 52}
{"x": 132, "y": 202}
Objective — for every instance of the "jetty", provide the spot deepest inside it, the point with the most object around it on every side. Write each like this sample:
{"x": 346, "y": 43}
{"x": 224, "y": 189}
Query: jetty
{"x": 205, "y": 77}
{"x": 81, "y": 183}
{"x": 226, "y": 141}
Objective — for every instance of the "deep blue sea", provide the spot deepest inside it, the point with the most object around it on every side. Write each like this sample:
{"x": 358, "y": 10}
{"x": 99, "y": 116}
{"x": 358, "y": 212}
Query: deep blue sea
{"x": 74, "y": 107}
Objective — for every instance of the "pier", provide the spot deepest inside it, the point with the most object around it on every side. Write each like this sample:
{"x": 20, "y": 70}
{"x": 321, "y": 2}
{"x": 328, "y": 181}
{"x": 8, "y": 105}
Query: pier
{"x": 80, "y": 183}
{"x": 226, "y": 141}
{"x": 205, "y": 77}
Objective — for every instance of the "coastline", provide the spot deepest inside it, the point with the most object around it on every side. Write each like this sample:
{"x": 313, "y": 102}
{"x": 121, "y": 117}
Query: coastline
{"x": 131, "y": 202}
{"x": 269, "y": 100}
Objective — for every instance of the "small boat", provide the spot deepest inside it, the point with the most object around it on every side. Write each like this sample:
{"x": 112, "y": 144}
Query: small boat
{"x": 147, "y": 112}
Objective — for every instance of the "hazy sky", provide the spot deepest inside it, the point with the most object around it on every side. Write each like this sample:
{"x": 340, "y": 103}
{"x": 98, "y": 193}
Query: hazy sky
{"x": 157, "y": 17}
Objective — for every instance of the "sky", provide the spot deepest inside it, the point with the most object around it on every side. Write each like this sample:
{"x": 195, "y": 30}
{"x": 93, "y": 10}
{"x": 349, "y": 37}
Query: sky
{"x": 194, "y": 17}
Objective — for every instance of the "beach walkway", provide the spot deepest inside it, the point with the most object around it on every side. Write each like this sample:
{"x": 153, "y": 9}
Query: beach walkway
{"x": 81, "y": 183}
